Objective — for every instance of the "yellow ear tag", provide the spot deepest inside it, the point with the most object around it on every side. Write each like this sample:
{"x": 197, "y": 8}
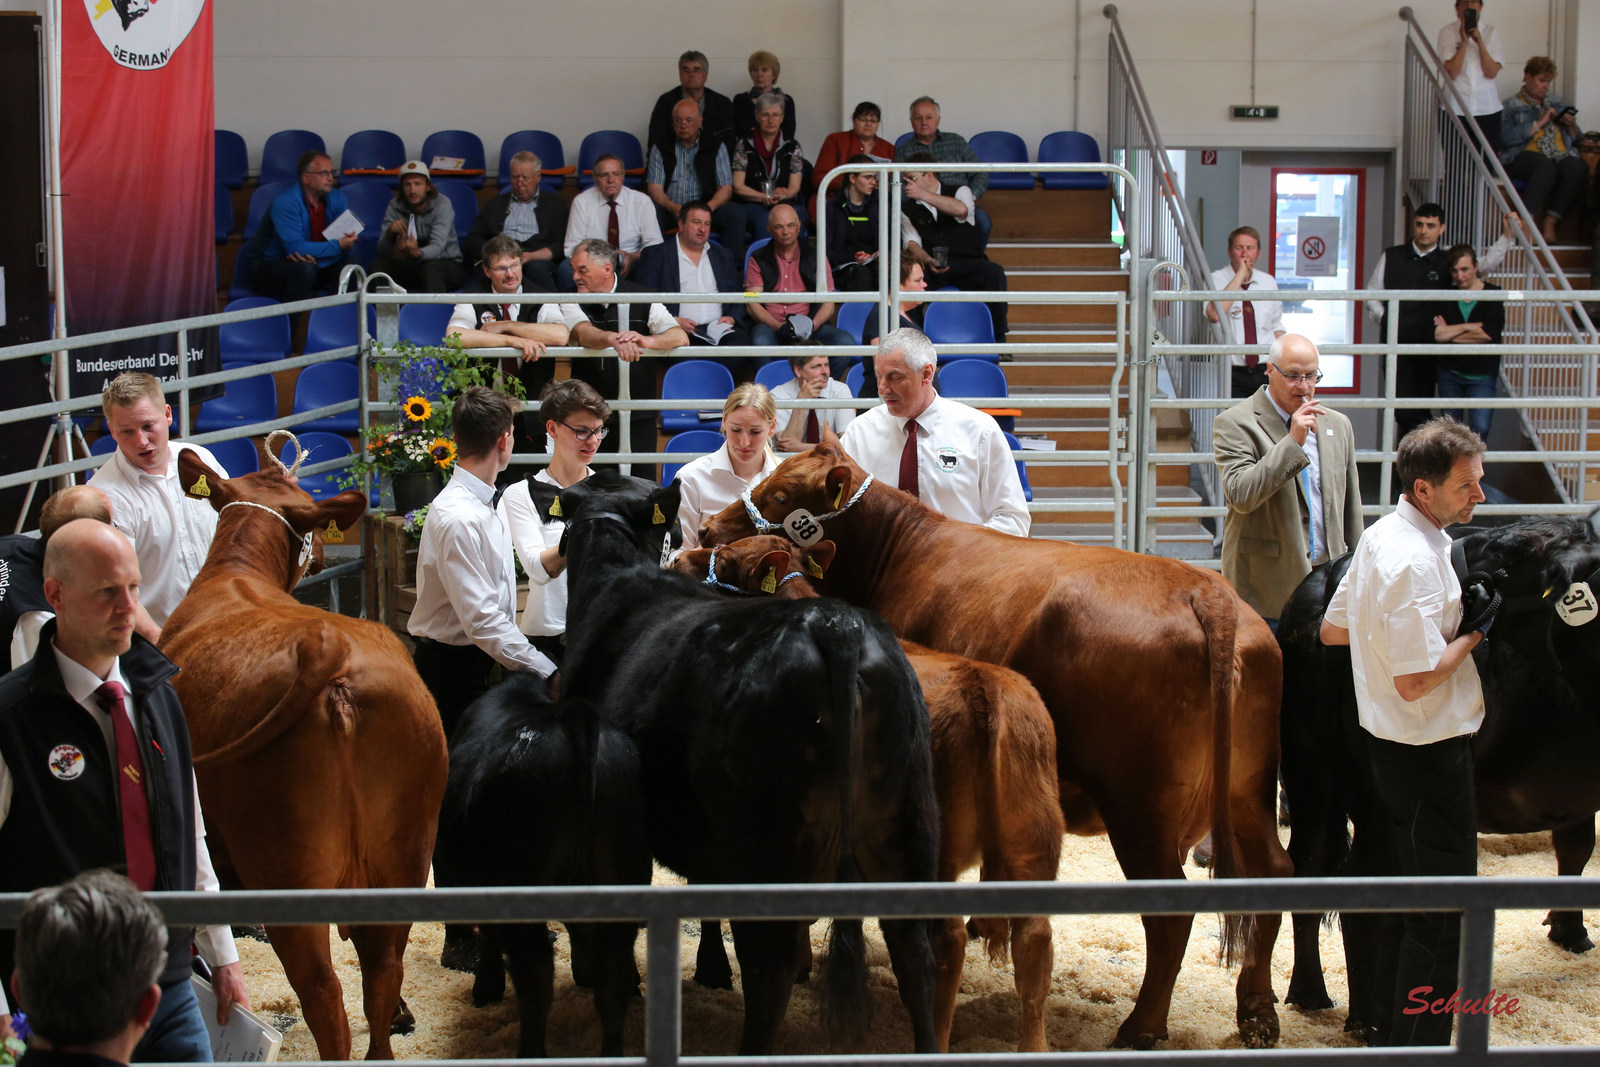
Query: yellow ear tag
{"x": 332, "y": 535}
{"x": 813, "y": 568}
{"x": 656, "y": 518}
{"x": 555, "y": 508}
{"x": 200, "y": 488}
{"x": 837, "y": 497}
{"x": 769, "y": 584}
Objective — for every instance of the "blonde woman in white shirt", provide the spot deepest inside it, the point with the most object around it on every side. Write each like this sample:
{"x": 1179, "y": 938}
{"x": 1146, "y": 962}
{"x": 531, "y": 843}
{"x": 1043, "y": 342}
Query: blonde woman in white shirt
{"x": 574, "y": 417}
{"x": 712, "y": 482}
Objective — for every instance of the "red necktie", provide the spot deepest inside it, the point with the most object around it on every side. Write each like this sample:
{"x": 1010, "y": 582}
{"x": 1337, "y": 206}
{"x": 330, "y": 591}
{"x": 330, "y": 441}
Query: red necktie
{"x": 1249, "y": 309}
{"x": 813, "y": 431}
{"x": 908, "y": 461}
{"x": 505, "y": 313}
{"x": 613, "y": 228}
{"x": 136, "y": 840}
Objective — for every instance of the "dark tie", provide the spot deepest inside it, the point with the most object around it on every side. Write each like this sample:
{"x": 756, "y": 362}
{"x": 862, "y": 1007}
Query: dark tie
{"x": 613, "y": 228}
{"x": 136, "y": 843}
{"x": 908, "y": 460}
{"x": 813, "y": 431}
{"x": 505, "y": 313}
{"x": 494, "y": 501}
{"x": 1250, "y": 329}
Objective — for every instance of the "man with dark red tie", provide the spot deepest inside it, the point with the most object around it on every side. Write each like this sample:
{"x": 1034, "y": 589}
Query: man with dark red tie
{"x": 954, "y": 458}
{"x": 813, "y": 380}
{"x": 623, "y": 218}
{"x": 1246, "y": 322}
{"x": 95, "y": 772}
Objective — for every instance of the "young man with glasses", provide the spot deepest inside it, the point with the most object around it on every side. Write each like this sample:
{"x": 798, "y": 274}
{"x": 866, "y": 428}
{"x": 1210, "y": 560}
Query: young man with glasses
{"x": 288, "y": 259}
{"x": 1289, "y": 477}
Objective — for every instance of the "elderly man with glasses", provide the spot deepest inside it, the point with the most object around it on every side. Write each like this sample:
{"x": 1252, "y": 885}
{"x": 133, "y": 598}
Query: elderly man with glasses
{"x": 1289, "y": 477}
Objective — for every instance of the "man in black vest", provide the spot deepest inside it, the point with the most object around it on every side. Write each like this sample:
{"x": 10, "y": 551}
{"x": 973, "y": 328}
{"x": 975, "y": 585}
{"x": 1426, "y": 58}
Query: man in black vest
{"x": 690, "y": 167}
{"x": 945, "y": 240}
{"x": 95, "y": 771}
{"x": 1417, "y": 265}
{"x": 650, "y": 327}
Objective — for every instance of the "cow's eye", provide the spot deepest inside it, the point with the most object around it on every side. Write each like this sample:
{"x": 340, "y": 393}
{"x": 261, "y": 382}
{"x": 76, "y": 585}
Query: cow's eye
{"x": 780, "y": 499}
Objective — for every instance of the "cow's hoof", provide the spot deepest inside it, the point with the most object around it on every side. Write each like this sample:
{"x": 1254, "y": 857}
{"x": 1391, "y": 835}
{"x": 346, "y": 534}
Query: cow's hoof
{"x": 1203, "y": 852}
{"x": 1260, "y": 1030}
{"x": 489, "y": 986}
{"x": 254, "y": 933}
{"x": 1129, "y": 1036}
{"x": 1570, "y": 934}
{"x": 1308, "y": 999}
{"x": 460, "y": 953}
{"x": 403, "y": 1022}
{"x": 714, "y": 978}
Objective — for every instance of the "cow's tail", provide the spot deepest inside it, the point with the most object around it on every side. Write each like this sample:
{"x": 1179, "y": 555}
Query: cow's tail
{"x": 1218, "y": 618}
{"x": 986, "y": 702}
{"x": 847, "y": 1002}
{"x": 318, "y": 684}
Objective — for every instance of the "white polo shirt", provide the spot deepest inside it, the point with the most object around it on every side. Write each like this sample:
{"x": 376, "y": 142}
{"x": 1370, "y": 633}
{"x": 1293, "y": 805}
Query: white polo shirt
{"x": 838, "y": 418}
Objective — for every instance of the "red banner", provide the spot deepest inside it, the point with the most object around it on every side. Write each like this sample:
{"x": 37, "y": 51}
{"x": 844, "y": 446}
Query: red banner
{"x": 136, "y": 171}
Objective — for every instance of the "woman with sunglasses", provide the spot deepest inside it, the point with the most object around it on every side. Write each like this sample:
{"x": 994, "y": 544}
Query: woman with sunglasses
{"x": 712, "y": 482}
{"x": 575, "y": 421}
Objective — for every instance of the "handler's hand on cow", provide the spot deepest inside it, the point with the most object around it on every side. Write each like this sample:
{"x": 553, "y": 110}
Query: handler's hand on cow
{"x": 228, "y": 982}
{"x": 5, "y": 1027}
{"x": 1304, "y": 420}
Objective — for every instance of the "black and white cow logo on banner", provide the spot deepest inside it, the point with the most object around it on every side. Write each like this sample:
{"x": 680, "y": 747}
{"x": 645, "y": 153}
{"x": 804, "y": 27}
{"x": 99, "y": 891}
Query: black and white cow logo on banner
{"x": 143, "y": 34}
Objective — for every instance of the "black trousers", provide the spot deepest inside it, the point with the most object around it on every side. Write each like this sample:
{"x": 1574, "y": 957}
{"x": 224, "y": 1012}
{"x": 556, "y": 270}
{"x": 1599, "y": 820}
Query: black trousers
{"x": 421, "y": 275}
{"x": 1416, "y": 376}
{"x": 1427, "y": 792}
{"x": 456, "y": 675}
{"x": 288, "y": 280}
{"x": 1553, "y": 184}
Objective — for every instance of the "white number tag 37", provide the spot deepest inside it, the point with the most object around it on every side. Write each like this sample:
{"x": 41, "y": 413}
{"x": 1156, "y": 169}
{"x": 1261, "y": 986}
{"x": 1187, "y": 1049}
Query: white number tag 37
{"x": 1577, "y": 605}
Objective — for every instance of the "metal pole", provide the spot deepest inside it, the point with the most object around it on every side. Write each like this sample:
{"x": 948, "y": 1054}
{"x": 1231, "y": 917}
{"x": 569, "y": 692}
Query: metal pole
{"x": 183, "y": 383}
{"x": 663, "y": 1002}
{"x": 624, "y": 385}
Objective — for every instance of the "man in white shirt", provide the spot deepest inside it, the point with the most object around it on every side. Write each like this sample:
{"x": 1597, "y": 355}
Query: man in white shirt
{"x": 171, "y": 532}
{"x": 1472, "y": 58}
{"x": 464, "y": 623}
{"x": 953, "y": 458}
{"x": 98, "y": 698}
{"x": 813, "y": 380}
{"x": 1419, "y": 701}
{"x": 1246, "y": 322}
{"x": 690, "y": 263}
{"x": 623, "y": 218}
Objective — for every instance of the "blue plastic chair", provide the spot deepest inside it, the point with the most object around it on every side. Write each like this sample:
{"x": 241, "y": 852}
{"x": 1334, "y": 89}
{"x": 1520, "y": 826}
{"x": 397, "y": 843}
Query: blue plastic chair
{"x": 244, "y": 401}
{"x": 280, "y": 156}
{"x": 222, "y": 213}
{"x": 373, "y": 150}
{"x": 260, "y": 203}
{"x": 851, "y": 318}
{"x": 335, "y": 327}
{"x": 774, "y": 373}
{"x": 320, "y": 448}
{"x": 424, "y": 324}
{"x": 1002, "y": 146}
{"x": 463, "y": 143}
{"x": 105, "y": 444}
{"x": 463, "y": 199}
{"x": 328, "y": 383}
{"x": 232, "y": 160}
{"x": 369, "y": 200}
{"x": 620, "y": 143}
{"x": 954, "y": 324}
{"x": 1070, "y": 146}
{"x": 975, "y": 377}
{"x": 697, "y": 441}
{"x": 542, "y": 143}
{"x": 762, "y": 243}
{"x": 854, "y": 378}
{"x": 255, "y": 341}
{"x": 1022, "y": 468}
{"x": 700, "y": 379}
{"x": 904, "y": 137}
{"x": 237, "y": 455}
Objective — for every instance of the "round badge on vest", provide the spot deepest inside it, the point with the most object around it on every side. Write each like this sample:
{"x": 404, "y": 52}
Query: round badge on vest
{"x": 66, "y": 762}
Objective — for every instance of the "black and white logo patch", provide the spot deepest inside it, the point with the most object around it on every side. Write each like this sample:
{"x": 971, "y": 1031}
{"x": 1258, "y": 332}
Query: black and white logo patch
{"x": 143, "y": 34}
{"x": 949, "y": 460}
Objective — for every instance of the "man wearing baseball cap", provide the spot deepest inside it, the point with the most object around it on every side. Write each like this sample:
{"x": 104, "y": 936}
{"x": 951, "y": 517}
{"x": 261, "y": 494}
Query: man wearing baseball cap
{"x": 417, "y": 246}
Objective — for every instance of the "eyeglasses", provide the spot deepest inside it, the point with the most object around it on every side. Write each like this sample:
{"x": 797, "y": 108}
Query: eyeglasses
{"x": 505, "y": 269}
{"x": 1304, "y": 379}
{"x": 322, "y": 173}
{"x": 585, "y": 434}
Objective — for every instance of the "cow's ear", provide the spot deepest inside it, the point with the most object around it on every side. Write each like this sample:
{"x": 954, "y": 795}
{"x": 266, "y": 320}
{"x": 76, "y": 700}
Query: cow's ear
{"x": 663, "y": 504}
{"x": 829, "y": 438}
{"x": 819, "y": 557}
{"x": 546, "y": 500}
{"x": 339, "y": 513}
{"x": 773, "y": 566}
{"x": 837, "y": 485}
{"x": 200, "y": 481}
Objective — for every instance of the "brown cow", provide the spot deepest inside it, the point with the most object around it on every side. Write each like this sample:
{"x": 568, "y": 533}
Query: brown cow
{"x": 994, "y": 755}
{"x": 318, "y": 752}
{"x": 1163, "y": 685}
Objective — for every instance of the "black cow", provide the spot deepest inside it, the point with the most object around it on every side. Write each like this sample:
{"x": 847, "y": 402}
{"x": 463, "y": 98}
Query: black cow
{"x": 1533, "y": 758}
{"x": 779, "y": 742}
{"x": 543, "y": 794}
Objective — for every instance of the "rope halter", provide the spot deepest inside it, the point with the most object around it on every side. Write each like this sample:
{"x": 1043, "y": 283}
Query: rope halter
{"x": 272, "y": 453}
{"x": 765, "y": 526}
{"x": 305, "y": 539}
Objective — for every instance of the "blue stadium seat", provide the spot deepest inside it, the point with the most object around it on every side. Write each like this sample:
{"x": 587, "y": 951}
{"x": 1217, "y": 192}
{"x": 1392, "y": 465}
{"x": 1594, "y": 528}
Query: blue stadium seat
{"x": 373, "y": 150}
{"x": 105, "y": 444}
{"x": 851, "y": 318}
{"x": 335, "y": 327}
{"x": 904, "y": 137}
{"x": 689, "y": 441}
{"x": 855, "y": 377}
{"x": 244, "y": 401}
{"x": 320, "y": 448}
{"x": 763, "y": 242}
{"x": 975, "y": 377}
{"x": 954, "y": 324}
{"x": 620, "y": 143}
{"x": 423, "y": 324}
{"x": 222, "y": 212}
{"x": 774, "y": 373}
{"x": 281, "y": 154}
{"x": 463, "y": 143}
{"x": 464, "y": 200}
{"x": 328, "y": 383}
{"x": 255, "y": 341}
{"x": 1070, "y": 146}
{"x": 260, "y": 203}
{"x": 542, "y": 143}
{"x": 369, "y": 199}
{"x": 700, "y": 379}
{"x": 237, "y": 455}
{"x": 1002, "y": 146}
{"x": 232, "y": 160}
{"x": 1022, "y": 468}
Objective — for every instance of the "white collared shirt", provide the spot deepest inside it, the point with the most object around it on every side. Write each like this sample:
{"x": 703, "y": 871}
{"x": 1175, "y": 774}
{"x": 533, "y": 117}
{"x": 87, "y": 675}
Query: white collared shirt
{"x": 1269, "y": 313}
{"x": 838, "y": 418}
{"x": 965, "y": 469}
{"x": 472, "y": 316}
{"x": 545, "y": 613}
{"x": 466, "y": 584}
{"x": 214, "y": 942}
{"x": 1401, "y": 602}
{"x": 171, "y": 532}
{"x": 657, "y": 321}
{"x": 637, "y": 228}
{"x": 1475, "y": 87}
{"x": 1310, "y": 475}
{"x": 708, "y": 485}
{"x": 697, "y": 278}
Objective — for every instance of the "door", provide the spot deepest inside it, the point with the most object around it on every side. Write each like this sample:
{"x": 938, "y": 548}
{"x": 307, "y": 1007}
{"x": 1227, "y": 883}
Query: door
{"x": 1325, "y": 192}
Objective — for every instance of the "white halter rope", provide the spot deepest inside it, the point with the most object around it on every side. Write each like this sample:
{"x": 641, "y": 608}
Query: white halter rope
{"x": 765, "y": 526}
{"x": 272, "y": 453}
{"x": 305, "y": 540}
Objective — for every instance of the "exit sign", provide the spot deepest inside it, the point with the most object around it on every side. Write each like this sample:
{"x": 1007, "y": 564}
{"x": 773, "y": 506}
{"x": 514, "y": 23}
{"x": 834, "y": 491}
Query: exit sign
{"x": 1255, "y": 111}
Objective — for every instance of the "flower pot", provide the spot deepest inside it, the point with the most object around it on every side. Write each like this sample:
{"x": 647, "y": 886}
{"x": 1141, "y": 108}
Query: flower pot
{"x": 412, "y": 491}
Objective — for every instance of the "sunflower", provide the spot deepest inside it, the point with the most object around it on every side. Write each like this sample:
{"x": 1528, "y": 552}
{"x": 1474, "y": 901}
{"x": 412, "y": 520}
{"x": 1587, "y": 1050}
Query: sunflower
{"x": 418, "y": 409}
{"x": 443, "y": 451}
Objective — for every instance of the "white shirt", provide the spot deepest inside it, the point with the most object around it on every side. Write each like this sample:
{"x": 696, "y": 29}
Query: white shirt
{"x": 657, "y": 321}
{"x": 214, "y": 942}
{"x": 466, "y": 585}
{"x": 838, "y": 418}
{"x": 1475, "y": 88}
{"x": 917, "y": 209}
{"x": 1310, "y": 481}
{"x": 964, "y": 465}
{"x": 708, "y": 485}
{"x": 473, "y": 316}
{"x": 697, "y": 278}
{"x": 171, "y": 533}
{"x": 637, "y": 228}
{"x": 1269, "y": 313}
{"x": 545, "y": 613}
{"x": 1401, "y": 602}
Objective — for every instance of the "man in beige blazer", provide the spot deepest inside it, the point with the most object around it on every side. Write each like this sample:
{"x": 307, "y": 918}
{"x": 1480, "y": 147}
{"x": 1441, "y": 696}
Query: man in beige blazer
{"x": 1289, "y": 477}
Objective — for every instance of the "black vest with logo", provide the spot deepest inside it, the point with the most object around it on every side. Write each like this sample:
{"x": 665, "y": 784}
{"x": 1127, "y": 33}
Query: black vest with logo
{"x": 604, "y": 316}
{"x": 766, "y": 260}
{"x": 1404, "y": 269}
{"x": 940, "y": 230}
{"x": 65, "y": 817}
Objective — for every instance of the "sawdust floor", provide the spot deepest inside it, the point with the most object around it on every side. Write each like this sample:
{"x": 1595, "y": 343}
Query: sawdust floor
{"x": 1099, "y": 961}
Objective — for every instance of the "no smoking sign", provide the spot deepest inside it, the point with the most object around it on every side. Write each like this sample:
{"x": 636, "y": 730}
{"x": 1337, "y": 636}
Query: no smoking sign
{"x": 1318, "y": 253}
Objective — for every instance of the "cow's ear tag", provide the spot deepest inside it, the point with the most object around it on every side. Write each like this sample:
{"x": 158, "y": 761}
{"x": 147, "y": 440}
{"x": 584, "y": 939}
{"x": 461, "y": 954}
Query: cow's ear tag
{"x": 838, "y": 497}
{"x": 200, "y": 488}
{"x": 1577, "y": 605}
{"x": 803, "y": 528}
{"x": 666, "y": 549}
{"x": 555, "y": 508}
{"x": 333, "y": 535}
{"x": 813, "y": 568}
{"x": 769, "y": 584}
{"x": 656, "y": 518}
{"x": 305, "y": 551}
